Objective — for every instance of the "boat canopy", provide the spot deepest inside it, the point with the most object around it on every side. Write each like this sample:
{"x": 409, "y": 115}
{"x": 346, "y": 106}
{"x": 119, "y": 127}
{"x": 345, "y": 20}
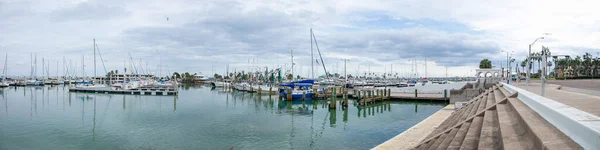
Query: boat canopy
{"x": 309, "y": 81}
{"x": 293, "y": 85}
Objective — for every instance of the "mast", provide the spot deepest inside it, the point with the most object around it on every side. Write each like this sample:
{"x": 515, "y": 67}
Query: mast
{"x": 35, "y": 66}
{"x": 5, "y": 70}
{"x": 292, "y": 52}
{"x": 311, "y": 56}
{"x": 317, "y": 45}
{"x": 95, "y": 58}
{"x": 83, "y": 66}
{"x": 31, "y": 65}
{"x": 425, "y": 67}
{"x": 43, "y": 67}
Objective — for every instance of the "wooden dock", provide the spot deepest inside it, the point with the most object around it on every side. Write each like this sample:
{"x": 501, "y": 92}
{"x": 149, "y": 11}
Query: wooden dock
{"x": 148, "y": 90}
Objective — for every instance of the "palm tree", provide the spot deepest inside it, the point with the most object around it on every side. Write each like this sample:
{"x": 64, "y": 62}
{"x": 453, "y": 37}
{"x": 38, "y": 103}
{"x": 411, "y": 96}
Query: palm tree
{"x": 485, "y": 64}
{"x": 587, "y": 63}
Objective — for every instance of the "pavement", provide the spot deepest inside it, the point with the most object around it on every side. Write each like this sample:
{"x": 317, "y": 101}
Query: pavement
{"x": 412, "y": 136}
{"x": 581, "y": 94}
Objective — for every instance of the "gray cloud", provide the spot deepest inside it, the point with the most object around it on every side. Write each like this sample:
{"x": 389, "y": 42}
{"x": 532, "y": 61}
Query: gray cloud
{"x": 203, "y": 34}
{"x": 90, "y": 11}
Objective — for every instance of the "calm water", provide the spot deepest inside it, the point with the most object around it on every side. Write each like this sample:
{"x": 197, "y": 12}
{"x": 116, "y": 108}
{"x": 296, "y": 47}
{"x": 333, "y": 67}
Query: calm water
{"x": 199, "y": 118}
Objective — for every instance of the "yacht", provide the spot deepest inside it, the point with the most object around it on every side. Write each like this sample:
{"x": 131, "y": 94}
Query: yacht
{"x": 3, "y": 82}
{"x": 201, "y": 78}
{"x": 244, "y": 86}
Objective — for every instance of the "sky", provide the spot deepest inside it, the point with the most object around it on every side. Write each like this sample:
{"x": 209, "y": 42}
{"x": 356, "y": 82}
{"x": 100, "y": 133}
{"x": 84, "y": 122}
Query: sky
{"x": 207, "y": 36}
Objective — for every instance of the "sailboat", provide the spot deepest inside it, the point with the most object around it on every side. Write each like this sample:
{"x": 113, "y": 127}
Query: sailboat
{"x": 3, "y": 82}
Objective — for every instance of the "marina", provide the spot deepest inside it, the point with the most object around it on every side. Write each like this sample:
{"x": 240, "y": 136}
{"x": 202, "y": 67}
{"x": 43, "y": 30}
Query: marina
{"x": 307, "y": 75}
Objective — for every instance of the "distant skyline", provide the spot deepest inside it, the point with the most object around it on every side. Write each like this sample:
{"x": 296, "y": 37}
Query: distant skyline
{"x": 201, "y": 34}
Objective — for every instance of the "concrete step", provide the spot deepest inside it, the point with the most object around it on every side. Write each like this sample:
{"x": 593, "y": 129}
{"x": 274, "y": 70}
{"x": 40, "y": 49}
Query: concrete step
{"x": 490, "y": 137}
{"x": 438, "y": 141}
{"x": 451, "y": 135}
{"x": 471, "y": 140}
{"x": 515, "y": 134}
{"x": 496, "y": 119}
{"x": 460, "y": 136}
{"x": 542, "y": 133}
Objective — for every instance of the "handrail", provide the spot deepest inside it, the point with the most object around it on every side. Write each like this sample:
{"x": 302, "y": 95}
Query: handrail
{"x": 582, "y": 127}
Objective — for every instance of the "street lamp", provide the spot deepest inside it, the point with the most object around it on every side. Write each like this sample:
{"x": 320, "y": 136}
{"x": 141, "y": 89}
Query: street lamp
{"x": 529, "y": 62}
{"x": 508, "y": 61}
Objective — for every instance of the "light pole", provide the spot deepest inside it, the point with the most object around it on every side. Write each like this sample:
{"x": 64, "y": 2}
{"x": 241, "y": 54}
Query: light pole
{"x": 529, "y": 62}
{"x": 545, "y": 66}
{"x": 508, "y": 61}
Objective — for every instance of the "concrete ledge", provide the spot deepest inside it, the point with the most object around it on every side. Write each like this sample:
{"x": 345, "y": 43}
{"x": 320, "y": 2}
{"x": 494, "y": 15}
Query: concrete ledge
{"x": 412, "y": 136}
{"x": 582, "y": 127}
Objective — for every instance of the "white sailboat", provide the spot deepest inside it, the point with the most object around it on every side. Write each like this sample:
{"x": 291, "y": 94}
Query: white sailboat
{"x": 3, "y": 80}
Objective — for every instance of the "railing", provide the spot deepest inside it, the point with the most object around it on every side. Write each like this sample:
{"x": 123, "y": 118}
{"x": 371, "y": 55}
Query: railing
{"x": 582, "y": 127}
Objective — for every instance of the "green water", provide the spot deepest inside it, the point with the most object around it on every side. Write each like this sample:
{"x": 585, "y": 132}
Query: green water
{"x": 199, "y": 118}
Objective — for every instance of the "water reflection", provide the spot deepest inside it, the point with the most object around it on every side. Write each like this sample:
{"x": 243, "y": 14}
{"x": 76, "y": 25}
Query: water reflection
{"x": 216, "y": 117}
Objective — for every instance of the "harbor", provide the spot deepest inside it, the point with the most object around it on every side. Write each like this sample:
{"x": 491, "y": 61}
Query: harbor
{"x": 303, "y": 75}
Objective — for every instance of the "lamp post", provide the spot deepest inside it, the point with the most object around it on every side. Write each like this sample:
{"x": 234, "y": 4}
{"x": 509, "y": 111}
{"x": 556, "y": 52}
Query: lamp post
{"x": 508, "y": 61}
{"x": 545, "y": 66}
{"x": 529, "y": 62}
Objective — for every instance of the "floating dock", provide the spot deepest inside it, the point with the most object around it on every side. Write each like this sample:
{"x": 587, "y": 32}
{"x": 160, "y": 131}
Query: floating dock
{"x": 146, "y": 90}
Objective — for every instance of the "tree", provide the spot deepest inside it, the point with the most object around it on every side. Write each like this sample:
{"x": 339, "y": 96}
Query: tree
{"x": 298, "y": 77}
{"x": 176, "y": 75}
{"x": 485, "y": 64}
{"x": 290, "y": 76}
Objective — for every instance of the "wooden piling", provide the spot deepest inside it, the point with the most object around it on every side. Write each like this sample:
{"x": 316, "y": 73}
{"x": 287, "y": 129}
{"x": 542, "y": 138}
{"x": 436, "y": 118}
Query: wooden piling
{"x": 259, "y": 91}
{"x": 289, "y": 94}
{"x": 415, "y": 92}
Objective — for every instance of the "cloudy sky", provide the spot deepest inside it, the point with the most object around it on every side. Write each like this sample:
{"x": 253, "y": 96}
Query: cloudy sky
{"x": 205, "y": 35}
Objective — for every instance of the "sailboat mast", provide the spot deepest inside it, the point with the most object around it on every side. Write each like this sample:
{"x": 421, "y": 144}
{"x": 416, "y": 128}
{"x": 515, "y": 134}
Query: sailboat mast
{"x": 31, "y": 65}
{"x": 5, "y": 70}
{"x": 95, "y": 58}
{"x": 35, "y": 66}
{"x": 292, "y": 52}
{"x": 312, "y": 60}
{"x": 43, "y": 67}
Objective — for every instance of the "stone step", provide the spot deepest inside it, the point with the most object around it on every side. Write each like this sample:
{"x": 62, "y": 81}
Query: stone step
{"x": 490, "y": 137}
{"x": 471, "y": 140}
{"x": 515, "y": 134}
{"x": 460, "y": 136}
{"x": 451, "y": 135}
{"x": 543, "y": 134}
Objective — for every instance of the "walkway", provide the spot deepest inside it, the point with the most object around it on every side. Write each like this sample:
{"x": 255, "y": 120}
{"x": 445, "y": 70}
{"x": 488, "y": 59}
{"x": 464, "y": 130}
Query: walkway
{"x": 580, "y": 99}
{"x": 412, "y": 136}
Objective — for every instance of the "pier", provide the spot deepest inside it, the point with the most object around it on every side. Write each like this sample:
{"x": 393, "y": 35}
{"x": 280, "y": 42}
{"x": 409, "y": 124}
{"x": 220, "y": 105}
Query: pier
{"x": 146, "y": 90}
